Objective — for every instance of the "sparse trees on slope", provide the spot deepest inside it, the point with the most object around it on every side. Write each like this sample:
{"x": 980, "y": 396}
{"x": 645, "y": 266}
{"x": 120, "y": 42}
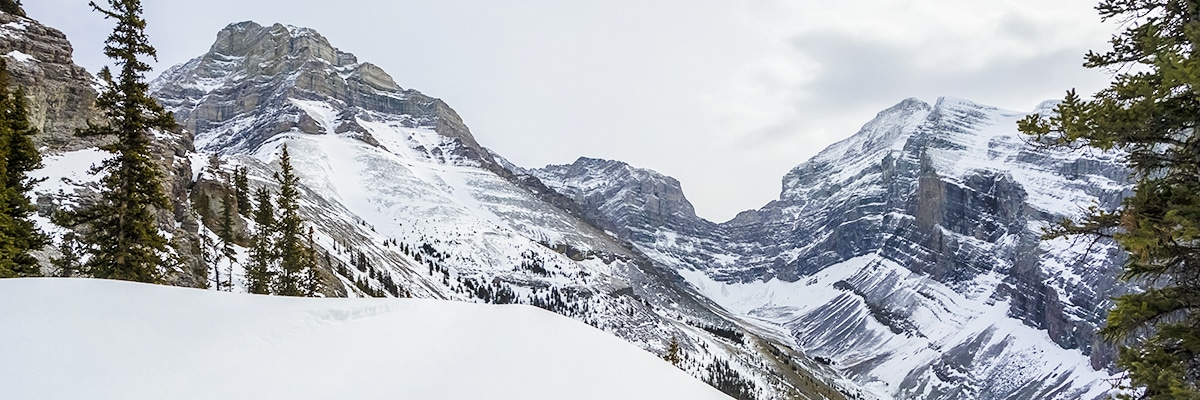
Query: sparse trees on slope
{"x": 122, "y": 234}
{"x": 18, "y": 156}
{"x": 1150, "y": 111}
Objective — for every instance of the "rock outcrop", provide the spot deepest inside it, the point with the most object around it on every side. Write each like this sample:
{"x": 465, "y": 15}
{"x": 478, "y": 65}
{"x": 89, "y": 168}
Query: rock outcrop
{"x": 60, "y": 93}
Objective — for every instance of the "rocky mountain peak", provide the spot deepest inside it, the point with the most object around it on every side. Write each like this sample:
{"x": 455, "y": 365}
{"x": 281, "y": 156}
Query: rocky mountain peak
{"x": 630, "y": 199}
{"x": 292, "y": 69}
{"x": 279, "y": 49}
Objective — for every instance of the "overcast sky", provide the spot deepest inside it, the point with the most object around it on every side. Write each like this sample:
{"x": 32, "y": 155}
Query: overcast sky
{"x": 725, "y": 95}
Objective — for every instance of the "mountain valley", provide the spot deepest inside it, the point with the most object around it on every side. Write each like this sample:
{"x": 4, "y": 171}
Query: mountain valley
{"x": 902, "y": 262}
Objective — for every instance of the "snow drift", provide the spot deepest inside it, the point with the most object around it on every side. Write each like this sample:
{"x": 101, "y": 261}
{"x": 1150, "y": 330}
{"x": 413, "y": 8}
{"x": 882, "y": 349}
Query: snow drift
{"x": 73, "y": 338}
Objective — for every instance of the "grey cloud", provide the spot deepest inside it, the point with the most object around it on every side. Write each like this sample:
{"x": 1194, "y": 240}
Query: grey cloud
{"x": 858, "y": 69}
{"x": 864, "y": 77}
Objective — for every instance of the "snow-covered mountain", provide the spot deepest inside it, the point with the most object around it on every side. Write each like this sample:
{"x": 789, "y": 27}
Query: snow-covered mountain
{"x": 99, "y": 339}
{"x": 907, "y": 255}
{"x": 405, "y": 202}
{"x": 904, "y": 260}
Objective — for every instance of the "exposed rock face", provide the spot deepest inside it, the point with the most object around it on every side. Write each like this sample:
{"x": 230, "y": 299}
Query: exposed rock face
{"x": 630, "y": 201}
{"x": 278, "y": 63}
{"x": 957, "y": 194}
{"x": 60, "y": 92}
{"x": 872, "y": 240}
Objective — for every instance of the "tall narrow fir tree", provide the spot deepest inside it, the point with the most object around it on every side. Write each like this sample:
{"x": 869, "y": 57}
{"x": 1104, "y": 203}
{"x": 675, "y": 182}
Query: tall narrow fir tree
{"x": 294, "y": 259}
{"x": 259, "y": 274}
{"x": 121, "y": 233}
{"x": 241, "y": 185}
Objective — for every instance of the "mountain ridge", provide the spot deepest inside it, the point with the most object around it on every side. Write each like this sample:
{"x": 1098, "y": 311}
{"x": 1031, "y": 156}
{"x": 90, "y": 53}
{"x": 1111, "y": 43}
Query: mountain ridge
{"x": 898, "y": 259}
{"x": 381, "y": 164}
{"x": 945, "y": 203}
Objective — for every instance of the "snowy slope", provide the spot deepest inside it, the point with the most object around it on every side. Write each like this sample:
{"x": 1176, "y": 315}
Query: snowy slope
{"x": 115, "y": 340}
{"x": 404, "y": 202}
{"x": 907, "y": 255}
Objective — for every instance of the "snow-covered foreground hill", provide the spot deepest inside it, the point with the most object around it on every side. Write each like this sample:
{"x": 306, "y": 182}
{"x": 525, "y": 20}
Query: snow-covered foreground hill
{"x": 75, "y": 339}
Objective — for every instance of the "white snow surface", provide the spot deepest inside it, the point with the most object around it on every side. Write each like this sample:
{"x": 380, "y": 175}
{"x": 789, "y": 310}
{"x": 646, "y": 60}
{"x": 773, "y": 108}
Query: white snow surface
{"x": 20, "y": 57}
{"x": 943, "y": 319}
{"x": 68, "y": 171}
{"x": 100, "y": 339}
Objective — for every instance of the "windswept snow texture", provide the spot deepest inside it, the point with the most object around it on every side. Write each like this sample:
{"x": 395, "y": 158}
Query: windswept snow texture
{"x": 93, "y": 339}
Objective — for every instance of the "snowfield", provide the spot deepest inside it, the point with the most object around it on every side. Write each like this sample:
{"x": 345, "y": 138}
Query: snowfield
{"x": 95, "y": 339}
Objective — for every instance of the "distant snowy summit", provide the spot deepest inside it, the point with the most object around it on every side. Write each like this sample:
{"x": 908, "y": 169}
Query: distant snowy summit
{"x": 908, "y": 254}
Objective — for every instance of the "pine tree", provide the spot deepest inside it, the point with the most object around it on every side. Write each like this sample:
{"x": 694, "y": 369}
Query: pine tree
{"x": 225, "y": 228}
{"x": 209, "y": 257}
{"x": 19, "y": 235}
{"x": 1150, "y": 111}
{"x": 69, "y": 261}
{"x": 12, "y": 7}
{"x": 262, "y": 251}
{"x": 294, "y": 259}
{"x": 122, "y": 233}
{"x": 672, "y": 355}
{"x": 312, "y": 281}
{"x": 241, "y": 185}
{"x": 214, "y": 167}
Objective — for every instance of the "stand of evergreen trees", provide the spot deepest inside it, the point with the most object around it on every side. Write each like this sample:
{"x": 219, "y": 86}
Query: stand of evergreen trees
{"x": 283, "y": 258}
{"x": 18, "y": 234}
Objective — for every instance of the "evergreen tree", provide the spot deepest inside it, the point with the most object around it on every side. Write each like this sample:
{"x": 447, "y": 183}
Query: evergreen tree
{"x": 225, "y": 228}
{"x": 241, "y": 185}
{"x": 312, "y": 281}
{"x": 1150, "y": 111}
{"x": 210, "y": 257}
{"x": 122, "y": 233}
{"x": 672, "y": 355}
{"x": 69, "y": 261}
{"x": 223, "y": 247}
{"x": 12, "y": 7}
{"x": 18, "y": 233}
{"x": 262, "y": 250}
{"x": 294, "y": 258}
{"x": 214, "y": 167}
